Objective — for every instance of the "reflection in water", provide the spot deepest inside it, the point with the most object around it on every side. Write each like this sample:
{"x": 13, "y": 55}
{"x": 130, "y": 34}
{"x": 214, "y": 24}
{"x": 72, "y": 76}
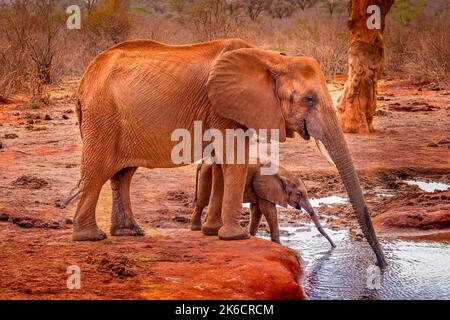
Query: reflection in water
{"x": 417, "y": 269}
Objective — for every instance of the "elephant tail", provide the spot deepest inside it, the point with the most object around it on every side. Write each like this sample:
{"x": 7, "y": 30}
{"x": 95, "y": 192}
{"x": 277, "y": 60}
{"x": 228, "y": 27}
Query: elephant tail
{"x": 199, "y": 167}
{"x": 79, "y": 116}
{"x": 73, "y": 195}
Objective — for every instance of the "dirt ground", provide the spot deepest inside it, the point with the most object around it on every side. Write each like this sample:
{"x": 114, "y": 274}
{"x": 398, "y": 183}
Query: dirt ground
{"x": 39, "y": 166}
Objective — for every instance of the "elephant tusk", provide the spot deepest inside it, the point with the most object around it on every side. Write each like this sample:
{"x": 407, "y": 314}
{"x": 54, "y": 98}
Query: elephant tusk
{"x": 324, "y": 151}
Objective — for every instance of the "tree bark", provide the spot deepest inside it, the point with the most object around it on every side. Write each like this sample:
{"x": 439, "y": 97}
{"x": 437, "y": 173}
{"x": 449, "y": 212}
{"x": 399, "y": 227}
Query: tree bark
{"x": 358, "y": 102}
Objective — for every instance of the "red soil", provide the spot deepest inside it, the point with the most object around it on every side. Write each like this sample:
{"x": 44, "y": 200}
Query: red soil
{"x": 172, "y": 264}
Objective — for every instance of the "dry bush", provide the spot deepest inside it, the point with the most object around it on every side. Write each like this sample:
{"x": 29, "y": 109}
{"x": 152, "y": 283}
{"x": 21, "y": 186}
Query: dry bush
{"x": 397, "y": 40}
{"x": 179, "y": 7}
{"x": 273, "y": 34}
{"x": 281, "y": 9}
{"x": 108, "y": 22}
{"x": 419, "y": 51}
{"x": 430, "y": 58}
{"x": 13, "y": 53}
{"x": 209, "y": 20}
{"x": 162, "y": 30}
{"x": 326, "y": 42}
{"x": 104, "y": 23}
{"x": 31, "y": 45}
{"x": 304, "y": 4}
{"x": 334, "y": 6}
{"x": 44, "y": 40}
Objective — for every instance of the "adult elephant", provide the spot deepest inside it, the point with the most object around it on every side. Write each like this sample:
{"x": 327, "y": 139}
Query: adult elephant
{"x": 134, "y": 95}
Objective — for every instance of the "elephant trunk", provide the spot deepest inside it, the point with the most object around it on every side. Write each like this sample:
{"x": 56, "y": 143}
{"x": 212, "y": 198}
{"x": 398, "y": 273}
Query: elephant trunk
{"x": 334, "y": 141}
{"x": 305, "y": 204}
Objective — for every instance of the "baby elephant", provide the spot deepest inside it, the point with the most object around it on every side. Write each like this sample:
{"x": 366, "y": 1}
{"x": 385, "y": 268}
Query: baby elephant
{"x": 263, "y": 192}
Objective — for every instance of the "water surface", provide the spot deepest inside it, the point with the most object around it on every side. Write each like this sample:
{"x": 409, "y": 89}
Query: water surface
{"x": 417, "y": 269}
{"x": 428, "y": 186}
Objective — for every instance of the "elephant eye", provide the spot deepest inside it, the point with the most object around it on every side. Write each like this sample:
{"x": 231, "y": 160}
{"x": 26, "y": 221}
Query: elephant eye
{"x": 299, "y": 194}
{"x": 309, "y": 100}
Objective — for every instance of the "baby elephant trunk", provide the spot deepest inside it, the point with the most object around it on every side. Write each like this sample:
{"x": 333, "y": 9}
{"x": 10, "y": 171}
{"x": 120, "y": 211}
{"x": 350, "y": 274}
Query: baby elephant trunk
{"x": 305, "y": 204}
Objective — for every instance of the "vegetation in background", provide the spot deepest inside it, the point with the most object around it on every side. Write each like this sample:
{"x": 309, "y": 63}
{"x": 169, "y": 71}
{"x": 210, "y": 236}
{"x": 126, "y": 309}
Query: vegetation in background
{"x": 36, "y": 49}
{"x": 31, "y": 32}
{"x": 405, "y": 11}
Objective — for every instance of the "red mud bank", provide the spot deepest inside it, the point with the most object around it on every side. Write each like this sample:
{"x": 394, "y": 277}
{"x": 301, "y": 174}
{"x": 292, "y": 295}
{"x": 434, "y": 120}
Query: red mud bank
{"x": 173, "y": 264}
{"x": 420, "y": 213}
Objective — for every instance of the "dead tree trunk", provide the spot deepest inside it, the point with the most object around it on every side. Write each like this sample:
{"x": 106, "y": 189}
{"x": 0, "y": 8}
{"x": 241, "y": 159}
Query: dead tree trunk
{"x": 357, "y": 104}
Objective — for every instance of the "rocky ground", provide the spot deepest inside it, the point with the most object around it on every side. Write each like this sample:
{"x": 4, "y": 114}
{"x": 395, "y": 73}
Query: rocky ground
{"x": 39, "y": 166}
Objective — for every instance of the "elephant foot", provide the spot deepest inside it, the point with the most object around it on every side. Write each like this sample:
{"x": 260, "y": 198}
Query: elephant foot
{"x": 127, "y": 231}
{"x": 210, "y": 231}
{"x": 276, "y": 240}
{"x": 89, "y": 234}
{"x": 234, "y": 233}
{"x": 196, "y": 226}
{"x": 196, "y": 219}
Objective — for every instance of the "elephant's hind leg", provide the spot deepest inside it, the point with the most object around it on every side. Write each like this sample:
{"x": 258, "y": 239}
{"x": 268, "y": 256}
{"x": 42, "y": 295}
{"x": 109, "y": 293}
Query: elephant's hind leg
{"x": 122, "y": 220}
{"x": 255, "y": 218}
{"x": 213, "y": 221}
{"x": 203, "y": 193}
{"x": 196, "y": 220}
{"x": 84, "y": 225}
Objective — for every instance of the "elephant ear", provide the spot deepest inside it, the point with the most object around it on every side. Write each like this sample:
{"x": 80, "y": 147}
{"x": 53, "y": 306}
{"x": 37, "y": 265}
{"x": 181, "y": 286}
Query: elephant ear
{"x": 270, "y": 188}
{"x": 241, "y": 87}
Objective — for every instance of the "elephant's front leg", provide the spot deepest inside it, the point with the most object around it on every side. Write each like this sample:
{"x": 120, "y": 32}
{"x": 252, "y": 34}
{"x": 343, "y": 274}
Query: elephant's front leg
{"x": 234, "y": 177}
{"x": 269, "y": 210}
{"x": 122, "y": 220}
